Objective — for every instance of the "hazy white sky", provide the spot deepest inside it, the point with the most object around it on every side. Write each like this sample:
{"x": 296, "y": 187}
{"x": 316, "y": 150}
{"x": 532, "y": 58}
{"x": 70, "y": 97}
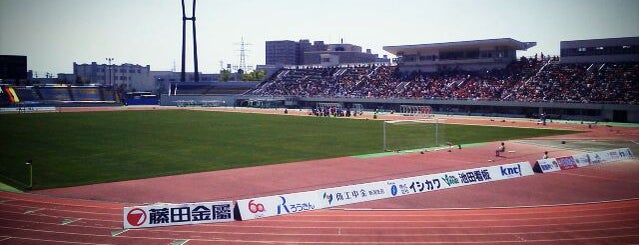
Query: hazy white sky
{"x": 56, "y": 33}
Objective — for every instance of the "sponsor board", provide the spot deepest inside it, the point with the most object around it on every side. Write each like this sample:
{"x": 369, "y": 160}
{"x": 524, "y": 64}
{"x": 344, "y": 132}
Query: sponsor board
{"x": 596, "y": 158}
{"x": 566, "y": 162}
{"x": 610, "y": 155}
{"x": 582, "y": 160}
{"x": 616, "y": 154}
{"x": 515, "y": 170}
{"x": 613, "y": 155}
{"x": 261, "y": 207}
{"x": 27, "y": 109}
{"x": 177, "y": 214}
{"x": 343, "y": 195}
{"x": 432, "y": 182}
{"x": 417, "y": 184}
{"x": 625, "y": 153}
{"x": 548, "y": 165}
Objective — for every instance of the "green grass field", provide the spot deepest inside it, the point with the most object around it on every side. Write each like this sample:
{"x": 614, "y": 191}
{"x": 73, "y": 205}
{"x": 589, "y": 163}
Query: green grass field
{"x": 70, "y": 149}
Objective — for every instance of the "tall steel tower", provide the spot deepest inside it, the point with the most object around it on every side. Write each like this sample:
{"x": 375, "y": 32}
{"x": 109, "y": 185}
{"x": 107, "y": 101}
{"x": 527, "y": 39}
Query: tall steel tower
{"x": 243, "y": 50}
{"x": 243, "y": 55}
{"x": 196, "y": 75}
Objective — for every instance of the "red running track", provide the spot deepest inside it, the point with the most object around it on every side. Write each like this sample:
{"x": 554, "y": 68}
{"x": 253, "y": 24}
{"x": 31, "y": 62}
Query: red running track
{"x": 33, "y": 219}
{"x": 597, "y": 183}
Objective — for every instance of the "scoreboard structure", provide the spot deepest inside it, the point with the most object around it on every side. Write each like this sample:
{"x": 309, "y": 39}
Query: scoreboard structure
{"x": 13, "y": 67}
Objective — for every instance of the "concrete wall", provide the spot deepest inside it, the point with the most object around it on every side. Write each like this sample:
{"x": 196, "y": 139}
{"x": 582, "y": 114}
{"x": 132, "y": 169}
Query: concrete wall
{"x": 604, "y": 112}
{"x": 633, "y": 116}
{"x": 166, "y": 100}
{"x": 600, "y": 50}
{"x": 599, "y": 59}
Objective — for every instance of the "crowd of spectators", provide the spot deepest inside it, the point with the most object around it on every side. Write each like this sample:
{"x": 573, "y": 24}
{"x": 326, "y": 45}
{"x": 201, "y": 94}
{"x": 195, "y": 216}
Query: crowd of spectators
{"x": 527, "y": 80}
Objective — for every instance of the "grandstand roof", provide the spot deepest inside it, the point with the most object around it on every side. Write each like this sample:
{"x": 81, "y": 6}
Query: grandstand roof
{"x": 509, "y": 42}
{"x": 619, "y": 41}
{"x": 229, "y": 83}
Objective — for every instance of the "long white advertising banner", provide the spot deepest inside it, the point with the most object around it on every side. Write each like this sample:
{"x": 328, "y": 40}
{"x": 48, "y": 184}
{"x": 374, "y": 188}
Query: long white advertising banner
{"x": 261, "y": 207}
{"x": 253, "y": 208}
{"x": 177, "y": 214}
{"x": 583, "y": 160}
{"x": 432, "y": 182}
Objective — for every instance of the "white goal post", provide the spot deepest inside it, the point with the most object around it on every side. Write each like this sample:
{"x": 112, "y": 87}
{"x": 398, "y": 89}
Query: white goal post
{"x": 403, "y": 135}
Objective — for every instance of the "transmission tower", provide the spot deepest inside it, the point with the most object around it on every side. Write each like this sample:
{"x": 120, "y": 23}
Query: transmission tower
{"x": 243, "y": 52}
{"x": 196, "y": 75}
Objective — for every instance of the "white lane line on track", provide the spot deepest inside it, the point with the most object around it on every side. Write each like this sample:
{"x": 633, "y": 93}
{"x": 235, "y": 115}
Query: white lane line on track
{"x": 69, "y": 221}
{"x": 61, "y": 210}
{"x": 434, "y": 242}
{"x": 179, "y": 242}
{"x": 118, "y": 232}
{"x": 323, "y": 235}
{"x": 353, "y": 227}
{"x": 402, "y": 210}
{"x": 5, "y": 238}
{"x": 395, "y": 234}
{"x": 448, "y": 221}
{"x": 63, "y": 217}
{"x": 519, "y": 237}
{"x": 69, "y": 205}
{"x": 378, "y": 222}
{"x": 595, "y": 177}
{"x": 438, "y": 227}
{"x": 410, "y": 212}
{"x": 582, "y": 238}
{"x": 33, "y": 210}
{"x": 388, "y": 213}
{"x": 488, "y": 208}
{"x": 74, "y": 225}
{"x": 58, "y": 241}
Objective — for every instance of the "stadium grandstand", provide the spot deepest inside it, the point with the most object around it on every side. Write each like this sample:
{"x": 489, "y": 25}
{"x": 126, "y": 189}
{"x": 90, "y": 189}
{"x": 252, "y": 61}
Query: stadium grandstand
{"x": 482, "y": 77}
{"x": 57, "y": 95}
{"x": 210, "y": 88}
{"x": 526, "y": 80}
{"x": 205, "y": 93}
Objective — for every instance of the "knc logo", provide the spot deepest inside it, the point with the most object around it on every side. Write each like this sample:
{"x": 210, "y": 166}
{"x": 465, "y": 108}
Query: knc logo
{"x": 511, "y": 172}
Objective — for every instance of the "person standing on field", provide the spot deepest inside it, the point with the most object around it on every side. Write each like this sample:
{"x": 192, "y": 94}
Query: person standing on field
{"x": 500, "y": 149}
